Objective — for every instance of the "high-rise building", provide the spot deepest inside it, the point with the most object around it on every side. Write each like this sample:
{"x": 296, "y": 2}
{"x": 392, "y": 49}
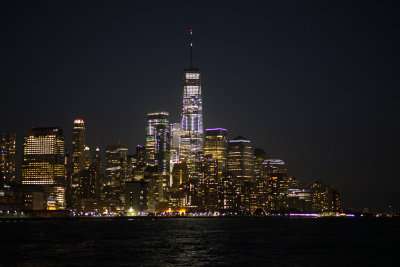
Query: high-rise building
{"x": 136, "y": 194}
{"x": 174, "y": 154}
{"x": 44, "y": 164}
{"x": 175, "y": 135}
{"x": 154, "y": 180}
{"x": 241, "y": 166}
{"x": 116, "y": 171}
{"x": 78, "y": 149}
{"x": 192, "y": 135}
{"x": 139, "y": 163}
{"x": 216, "y": 145}
{"x": 158, "y": 142}
{"x": 180, "y": 175}
{"x": 228, "y": 194}
{"x": 7, "y": 158}
{"x": 208, "y": 191}
{"x": 91, "y": 182}
{"x": 275, "y": 171}
{"x": 96, "y": 170}
{"x": 325, "y": 198}
{"x": 240, "y": 158}
{"x": 79, "y": 162}
{"x": 259, "y": 186}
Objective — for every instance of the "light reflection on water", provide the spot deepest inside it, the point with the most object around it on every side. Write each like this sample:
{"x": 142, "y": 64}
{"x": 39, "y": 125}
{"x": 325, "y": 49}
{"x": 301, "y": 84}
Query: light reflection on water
{"x": 200, "y": 241}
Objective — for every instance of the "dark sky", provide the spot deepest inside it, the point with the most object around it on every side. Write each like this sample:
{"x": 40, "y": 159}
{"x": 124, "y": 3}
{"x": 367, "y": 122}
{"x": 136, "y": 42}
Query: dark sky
{"x": 313, "y": 83}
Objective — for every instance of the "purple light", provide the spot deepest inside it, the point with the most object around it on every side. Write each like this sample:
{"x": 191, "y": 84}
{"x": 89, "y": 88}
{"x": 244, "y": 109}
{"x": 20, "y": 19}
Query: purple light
{"x": 216, "y": 129}
{"x": 304, "y": 214}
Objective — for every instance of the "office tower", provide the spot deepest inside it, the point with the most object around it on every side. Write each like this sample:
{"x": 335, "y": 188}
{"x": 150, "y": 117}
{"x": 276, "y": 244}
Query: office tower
{"x": 78, "y": 149}
{"x": 208, "y": 191}
{"x": 97, "y": 172}
{"x": 158, "y": 141}
{"x": 86, "y": 185}
{"x": 180, "y": 175}
{"x": 155, "y": 187}
{"x": 192, "y": 136}
{"x": 325, "y": 198}
{"x": 240, "y": 164}
{"x": 91, "y": 178}
{"x": 299, "y": 196}
{"x": 228, "y": 194}
{"x": 131, "y": 158}
{"x": 116, "y": 171}
{"x": 44, "y": 164}
{"x": 259, "y": 157}
{"x": 175, "y": 135}
{"x": 275, "y": 172}
{"x": 7, "y": 158}
{"x": 136, "y": 194}
{"x": 216, "y": 145}
{"x": 259, "y": 187}
{"x": 139, "y": 164}
{"x": 86, "y": 156}
{"x": 240, "y": 161}
{"x": 79, "y": 161}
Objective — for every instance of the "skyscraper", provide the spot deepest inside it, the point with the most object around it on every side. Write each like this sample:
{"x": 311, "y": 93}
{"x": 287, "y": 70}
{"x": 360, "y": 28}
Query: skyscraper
{"x": 241, "y": 166}
{"x": 91, "y": 185}
{"x": 79, "y": 161}
{"x": 158, "y": 142}
{"x": 116, "y": 171}
{"x": 216, "y": 145}
{"x": 241, "y": 158}
{"x": 192, "y": 135}
{"x": 175, "y": 135}
{"x": 44, "y": 164}
{"x": 275, "y": 171}
{"x": 7, "y": 158}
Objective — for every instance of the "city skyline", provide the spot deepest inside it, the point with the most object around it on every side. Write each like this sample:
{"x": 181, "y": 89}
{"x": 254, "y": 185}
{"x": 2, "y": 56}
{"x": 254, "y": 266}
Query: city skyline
{"x": 278, "y": 140}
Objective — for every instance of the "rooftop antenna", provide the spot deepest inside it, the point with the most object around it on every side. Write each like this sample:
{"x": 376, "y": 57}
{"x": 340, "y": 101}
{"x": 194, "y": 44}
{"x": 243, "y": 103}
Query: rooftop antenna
{"x": 191, "y": 48}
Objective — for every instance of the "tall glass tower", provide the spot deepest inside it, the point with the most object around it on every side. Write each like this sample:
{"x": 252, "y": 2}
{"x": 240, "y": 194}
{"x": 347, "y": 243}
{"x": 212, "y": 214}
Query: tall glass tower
{"x": 43, "y": 163}
{"x": 79, "y": 161}
{"x": 158, "y": 143}
{"x": 192, "y": 136}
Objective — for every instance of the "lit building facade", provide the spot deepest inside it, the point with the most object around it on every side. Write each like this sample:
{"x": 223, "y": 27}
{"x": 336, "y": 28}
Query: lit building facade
{"x": 116, "y": 171}
{"x": 275, "y": 171}
{"x": 44, "y": 164}
{"x": 240, "y": 163}
{"x": 154, "y": 180}
{"x": 79, "y": 162}
{"x": 136, "y": 198}
{"x": 92, "y": 185}
{"x": 216, "y": 145}
{"x": 180, "y": 175}
{"x": 7, "y": 158}
{"x": 240, "y": 159}
{"x": 158, "y": 142}
{"x": 325, "y": 198}
{"x": 208, "y": 191}
{"x": 192, "y": 135}
{"x": 139, "y": 163}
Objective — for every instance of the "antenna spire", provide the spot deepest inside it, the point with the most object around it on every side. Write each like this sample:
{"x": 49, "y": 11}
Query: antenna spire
{"x": 191, "y": 48}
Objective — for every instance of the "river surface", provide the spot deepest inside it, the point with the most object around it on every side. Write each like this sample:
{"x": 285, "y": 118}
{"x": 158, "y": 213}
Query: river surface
{"x": 201, "y": 242}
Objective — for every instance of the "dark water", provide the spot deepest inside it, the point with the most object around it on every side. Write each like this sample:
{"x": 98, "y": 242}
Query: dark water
{"x": 202, "y": 241}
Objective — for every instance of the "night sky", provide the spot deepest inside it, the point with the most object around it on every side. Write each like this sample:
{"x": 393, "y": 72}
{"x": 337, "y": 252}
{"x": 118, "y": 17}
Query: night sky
{"x": 315, "y": 84}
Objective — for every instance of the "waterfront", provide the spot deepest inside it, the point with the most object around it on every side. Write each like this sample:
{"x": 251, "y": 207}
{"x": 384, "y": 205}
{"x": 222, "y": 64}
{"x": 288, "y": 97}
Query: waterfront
{"x": 201, "y": 241}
